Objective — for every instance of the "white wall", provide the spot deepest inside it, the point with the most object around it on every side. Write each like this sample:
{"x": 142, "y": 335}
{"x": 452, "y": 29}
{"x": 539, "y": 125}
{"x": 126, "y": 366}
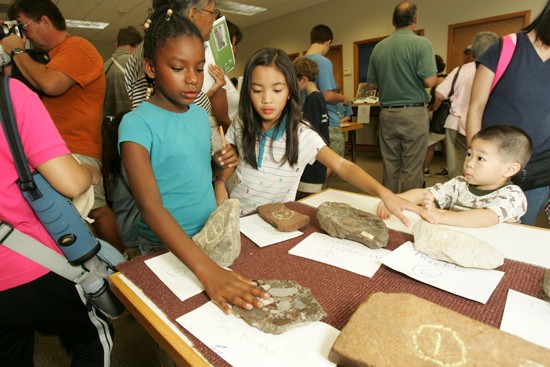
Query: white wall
{"x": 356, "y": 20}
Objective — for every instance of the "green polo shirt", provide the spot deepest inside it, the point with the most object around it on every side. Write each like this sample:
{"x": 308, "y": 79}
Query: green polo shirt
{"x": 399, "y": 64}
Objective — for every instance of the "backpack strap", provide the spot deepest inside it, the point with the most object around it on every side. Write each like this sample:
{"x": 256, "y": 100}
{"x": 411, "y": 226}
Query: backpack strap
{"x": 507, "y": 51}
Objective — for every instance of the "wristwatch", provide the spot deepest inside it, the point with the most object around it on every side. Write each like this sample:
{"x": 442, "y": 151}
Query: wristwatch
{"x": 16, "y": 51}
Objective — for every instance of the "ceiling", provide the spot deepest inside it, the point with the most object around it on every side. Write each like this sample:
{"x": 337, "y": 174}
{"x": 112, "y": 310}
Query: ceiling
{"x": 121, "y": 13}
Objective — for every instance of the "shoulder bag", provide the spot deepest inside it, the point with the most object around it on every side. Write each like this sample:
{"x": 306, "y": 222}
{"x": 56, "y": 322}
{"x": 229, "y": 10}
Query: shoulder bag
{"x": 439, "y": 116}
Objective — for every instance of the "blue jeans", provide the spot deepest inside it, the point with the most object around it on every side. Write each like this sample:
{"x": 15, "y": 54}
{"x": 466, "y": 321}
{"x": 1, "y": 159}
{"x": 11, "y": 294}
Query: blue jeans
{"x": 536, "y": 199}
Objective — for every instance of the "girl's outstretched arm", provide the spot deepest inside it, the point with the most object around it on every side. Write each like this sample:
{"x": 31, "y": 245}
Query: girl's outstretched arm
{"x": 353, "y": 174}
{"x": 223, "y": 286}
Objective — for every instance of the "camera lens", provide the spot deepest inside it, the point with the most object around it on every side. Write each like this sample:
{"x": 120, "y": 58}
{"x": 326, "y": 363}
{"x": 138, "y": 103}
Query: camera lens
{"x": 10, "y": 27}
{"x": 4, "y": 31}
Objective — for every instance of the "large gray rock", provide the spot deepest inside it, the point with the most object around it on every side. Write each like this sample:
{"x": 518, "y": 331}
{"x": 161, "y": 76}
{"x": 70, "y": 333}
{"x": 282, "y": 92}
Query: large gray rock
{"x": 545, "y": 286}
{"x": 344, "y": 221}
{"x": 289, "y": 306}
{"x": 282, "y": 218}
{"x": 401, "y": 329}
{"x": 220, "y": 238}
{"x": 455, "y": 247}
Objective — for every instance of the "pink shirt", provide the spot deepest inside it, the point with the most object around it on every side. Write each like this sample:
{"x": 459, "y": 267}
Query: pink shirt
{"x": 461, "y": 96}
{"x": 41, "y": 142}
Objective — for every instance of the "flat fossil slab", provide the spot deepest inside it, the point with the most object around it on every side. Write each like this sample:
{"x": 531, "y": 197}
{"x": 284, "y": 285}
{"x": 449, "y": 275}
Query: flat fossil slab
{"x": 455, "y": 247}
{"x": 282, "y": 218}
{"x": 399, "y": 329}
{"x": 344, "y": 221}
{"x": 289, "y": 306}
{"x": 545, "y": 286}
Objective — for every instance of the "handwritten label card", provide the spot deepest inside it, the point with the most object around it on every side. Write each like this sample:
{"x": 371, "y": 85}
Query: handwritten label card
{"x": 262, "y": 233}
{"x": 172, "y": 272}
{"x": 242, "y": 345}
{"x": 475, "y": 284}
{"x": 348, "y": 255}
{"x": 527, "y": 317}
{"x": 363, "y": 114}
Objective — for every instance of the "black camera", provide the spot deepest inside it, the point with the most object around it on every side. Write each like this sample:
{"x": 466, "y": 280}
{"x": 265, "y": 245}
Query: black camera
{"x": 7, "y": 28}
{"x": 10, "y": 27}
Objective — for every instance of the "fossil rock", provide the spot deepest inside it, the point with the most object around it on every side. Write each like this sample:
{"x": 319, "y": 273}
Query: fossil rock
{"x": 220, "y": 238}
{"x": 545, "y": 286}
{"x": 282, "y": 218}
{"x": 401, "y": 329}
{"x": 344, "y": 221}
{"x": 455, "y": 247}
{"x": 290, "y": 306}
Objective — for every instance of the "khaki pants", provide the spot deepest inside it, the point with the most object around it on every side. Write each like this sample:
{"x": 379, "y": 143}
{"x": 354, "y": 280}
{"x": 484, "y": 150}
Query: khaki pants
{"x": 403, "y": 144}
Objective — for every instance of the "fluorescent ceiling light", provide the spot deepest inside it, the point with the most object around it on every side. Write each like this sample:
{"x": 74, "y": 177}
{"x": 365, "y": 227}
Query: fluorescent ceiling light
{"x": 85, "y": 24}
{"x": 238, "y": 8}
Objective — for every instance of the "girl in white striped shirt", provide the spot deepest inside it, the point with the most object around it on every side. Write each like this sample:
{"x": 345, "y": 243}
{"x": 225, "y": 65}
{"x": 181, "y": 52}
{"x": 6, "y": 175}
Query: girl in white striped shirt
{"x": 275, "y": 145}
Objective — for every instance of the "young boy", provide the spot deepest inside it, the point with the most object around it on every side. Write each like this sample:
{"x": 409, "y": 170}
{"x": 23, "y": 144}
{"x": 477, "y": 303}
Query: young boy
{"x": 314, "y": 110}
{"x": 484, "y": 196}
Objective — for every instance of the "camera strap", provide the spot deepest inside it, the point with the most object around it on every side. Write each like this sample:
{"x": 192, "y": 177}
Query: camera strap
{"x": 27, "y": 246}
{"x": 26, "y": 181}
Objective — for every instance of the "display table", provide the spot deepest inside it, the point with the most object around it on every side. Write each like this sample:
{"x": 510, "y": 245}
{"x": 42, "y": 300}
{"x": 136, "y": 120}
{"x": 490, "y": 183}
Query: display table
{"x": 339, "y": 292}
{"x": 351, "y": 128}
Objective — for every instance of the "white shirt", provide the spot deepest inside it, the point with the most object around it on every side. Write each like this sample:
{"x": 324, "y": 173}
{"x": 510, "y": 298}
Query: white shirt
{"x": 272, "y": 182}
{"x": 461, "y": 97}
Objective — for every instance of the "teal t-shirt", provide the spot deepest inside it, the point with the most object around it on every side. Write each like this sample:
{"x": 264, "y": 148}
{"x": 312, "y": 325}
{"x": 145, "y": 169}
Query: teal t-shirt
{"x": 399, "y": 64}
{"x": 179, "y": 149}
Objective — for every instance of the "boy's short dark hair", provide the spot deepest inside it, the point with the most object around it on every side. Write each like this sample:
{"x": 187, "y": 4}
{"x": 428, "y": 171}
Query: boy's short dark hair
{"x": 306, "y": 67}
{"x": 439, "y": 63}
{"x": 234, "y": 31}
{"x": 514, "y": 145}
{"x": 129, "y": 36}
{"x": 320, "y": 34}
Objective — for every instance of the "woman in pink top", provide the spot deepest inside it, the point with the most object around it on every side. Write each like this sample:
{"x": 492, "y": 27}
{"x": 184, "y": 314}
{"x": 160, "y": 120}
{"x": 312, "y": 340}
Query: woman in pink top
{"x": 32, "y": 298}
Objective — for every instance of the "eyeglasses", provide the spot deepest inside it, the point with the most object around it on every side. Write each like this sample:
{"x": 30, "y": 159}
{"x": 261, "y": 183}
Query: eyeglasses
{"x": 216, "y": 13}
{"x": 25, "y": 25}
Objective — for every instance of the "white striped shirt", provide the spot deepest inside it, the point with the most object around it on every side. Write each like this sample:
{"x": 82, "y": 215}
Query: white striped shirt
{"x": 272, "y": 182}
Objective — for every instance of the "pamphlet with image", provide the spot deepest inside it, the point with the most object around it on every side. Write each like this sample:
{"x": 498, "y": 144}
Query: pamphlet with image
{"x": 220, "y": 44}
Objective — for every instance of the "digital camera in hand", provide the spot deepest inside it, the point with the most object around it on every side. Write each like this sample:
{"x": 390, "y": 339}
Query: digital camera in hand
{"x": 7, "y": 28}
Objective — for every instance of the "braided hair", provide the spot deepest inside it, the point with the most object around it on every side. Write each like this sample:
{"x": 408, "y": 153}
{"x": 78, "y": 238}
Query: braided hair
{"x": 164, "y": 23}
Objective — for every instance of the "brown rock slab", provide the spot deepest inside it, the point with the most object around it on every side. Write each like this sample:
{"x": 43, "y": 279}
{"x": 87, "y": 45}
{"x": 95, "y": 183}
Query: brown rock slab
{"x": 289, "y": 306}
{"x": 282, "y": 218}
{"x": 220, "y": 238}
{"x": 545, "y": 286}
{"x": 344, "y": 221}
{"x": 455, "y": 247}
{"x": 401, "y": 329}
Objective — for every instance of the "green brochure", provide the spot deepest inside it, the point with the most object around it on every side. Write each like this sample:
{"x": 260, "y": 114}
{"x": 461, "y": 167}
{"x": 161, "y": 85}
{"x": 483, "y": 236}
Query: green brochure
{"x": 221, "y": 47}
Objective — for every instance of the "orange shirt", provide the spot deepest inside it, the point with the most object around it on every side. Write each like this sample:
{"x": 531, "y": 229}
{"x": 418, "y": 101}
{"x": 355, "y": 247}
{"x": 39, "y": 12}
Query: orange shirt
{"x": 78, "y": 113}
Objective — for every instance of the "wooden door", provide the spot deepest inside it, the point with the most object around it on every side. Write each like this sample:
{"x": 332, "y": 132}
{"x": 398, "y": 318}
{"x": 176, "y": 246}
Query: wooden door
{"x": 461, "y": 34}
{"x": 335, "y": 56}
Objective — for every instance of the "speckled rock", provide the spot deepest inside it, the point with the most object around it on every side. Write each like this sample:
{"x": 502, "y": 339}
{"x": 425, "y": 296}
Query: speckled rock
{"x": 220, "y": 238}
{"x": 455, "y": 247}
{"x": 289, "y": 306}
{"x": 282, "y": 218}
{"x": 344, "y": 221}
{"x": 545, "y": 286}
{"x": 401, "y": 329}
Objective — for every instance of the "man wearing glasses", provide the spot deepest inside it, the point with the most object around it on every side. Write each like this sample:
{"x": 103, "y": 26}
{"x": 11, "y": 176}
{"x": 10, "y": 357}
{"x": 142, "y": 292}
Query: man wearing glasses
{"x": 73, "y": 84}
